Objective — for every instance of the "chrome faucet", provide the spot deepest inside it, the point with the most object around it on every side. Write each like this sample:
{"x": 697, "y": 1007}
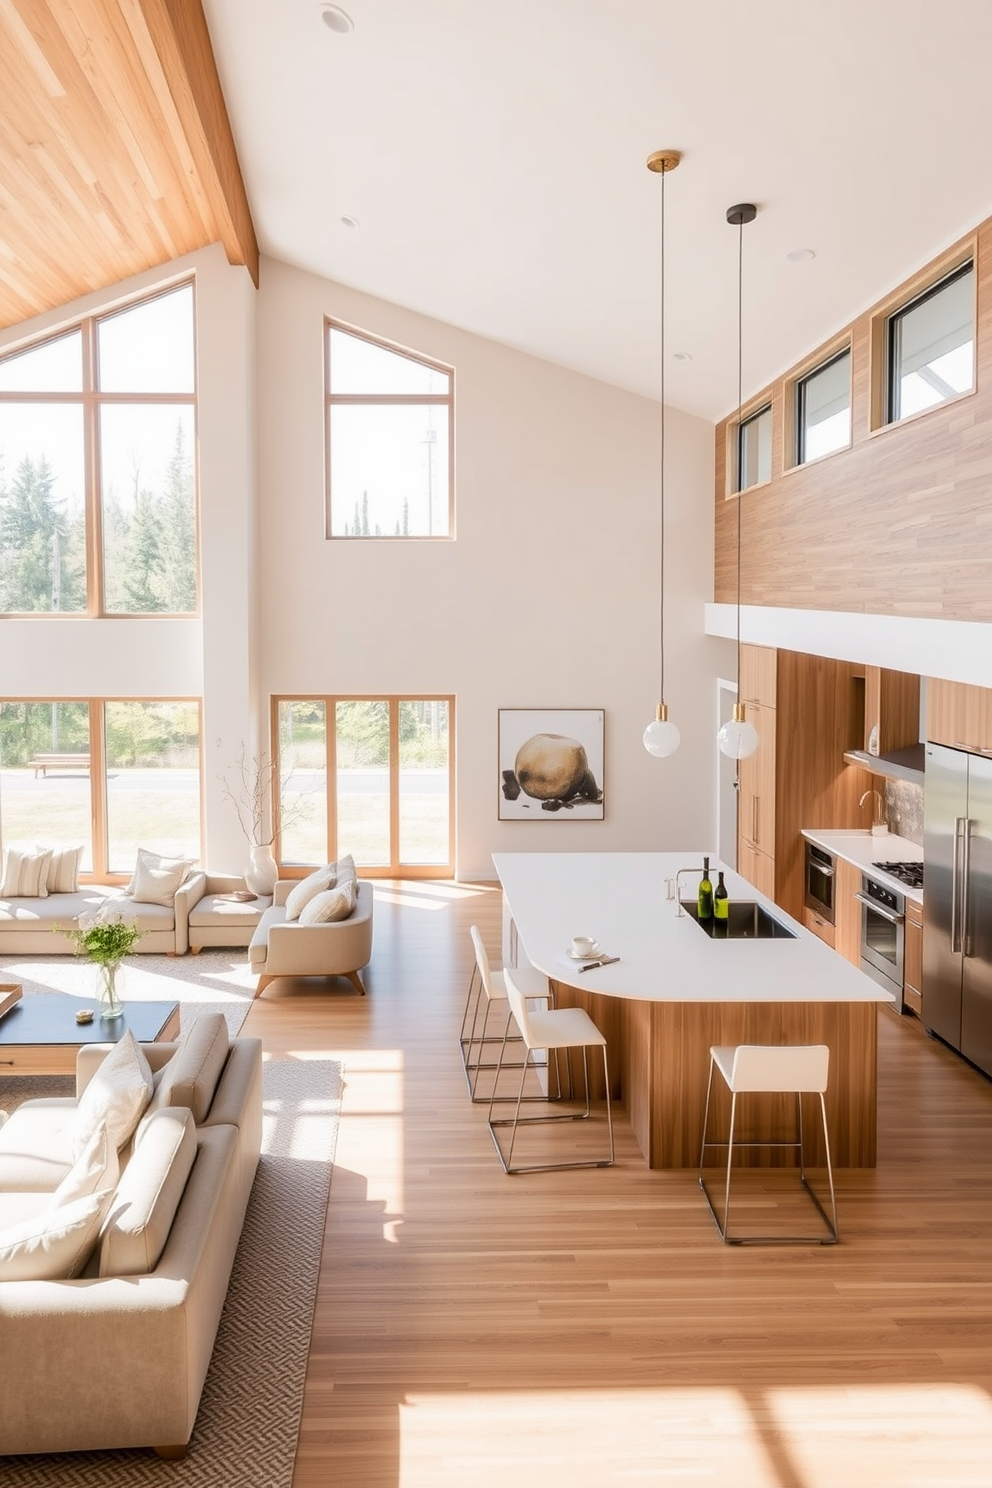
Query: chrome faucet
{"x": 878, "y": 816}
{"x": 678, "y": 897}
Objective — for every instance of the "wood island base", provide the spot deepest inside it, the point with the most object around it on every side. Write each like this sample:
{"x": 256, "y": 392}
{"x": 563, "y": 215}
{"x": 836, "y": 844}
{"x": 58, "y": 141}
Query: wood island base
{"x": 659, "y": 1054}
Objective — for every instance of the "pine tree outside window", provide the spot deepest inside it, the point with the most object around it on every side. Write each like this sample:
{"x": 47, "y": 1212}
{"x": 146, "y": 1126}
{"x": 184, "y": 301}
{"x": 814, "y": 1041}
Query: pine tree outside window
{"x": 98, "y": 502}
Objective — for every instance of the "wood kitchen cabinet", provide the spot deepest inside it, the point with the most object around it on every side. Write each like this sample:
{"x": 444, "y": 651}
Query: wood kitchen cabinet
{"x": 847, "y": 910}
{"x": 892, "y": 710}
{"x": 912, "y": 976}
{"x": 759, "y": 675}
{"x": 814, "y": 921}
{"x": 797, "y": 776}
{"x": 959, "y": 715}
{"x": 756, "y": 798}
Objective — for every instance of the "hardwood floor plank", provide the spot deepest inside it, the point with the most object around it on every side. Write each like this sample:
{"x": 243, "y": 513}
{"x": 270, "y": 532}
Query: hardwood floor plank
{"x": 588, "y": 1326}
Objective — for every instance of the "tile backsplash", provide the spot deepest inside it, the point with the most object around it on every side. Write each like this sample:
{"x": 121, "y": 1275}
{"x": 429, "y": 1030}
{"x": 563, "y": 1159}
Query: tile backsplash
{"x": 904, "y": 809}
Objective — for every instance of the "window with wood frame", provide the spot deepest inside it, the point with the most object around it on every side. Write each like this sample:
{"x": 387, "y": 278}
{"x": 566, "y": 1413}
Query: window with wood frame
{"x": 754, "y": 449}
{"x": 114, "y": 775}
{"x": 98, "y": 505}
{"x": 930, "y": 346}
{"x": 369, "y": 776}
{"x": 823, "y": 409}
{"x": 390, "y": 440}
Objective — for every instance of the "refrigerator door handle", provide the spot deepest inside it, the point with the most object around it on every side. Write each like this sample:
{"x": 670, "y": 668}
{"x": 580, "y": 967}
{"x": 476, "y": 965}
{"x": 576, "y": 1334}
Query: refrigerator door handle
{"x": 966, "y": 882}
{"x": 959, "y": 822}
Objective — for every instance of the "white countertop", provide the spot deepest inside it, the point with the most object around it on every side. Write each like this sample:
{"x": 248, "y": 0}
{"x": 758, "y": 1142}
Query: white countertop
{"x": 619, "y": 898}
{"x": 862, "y": 849}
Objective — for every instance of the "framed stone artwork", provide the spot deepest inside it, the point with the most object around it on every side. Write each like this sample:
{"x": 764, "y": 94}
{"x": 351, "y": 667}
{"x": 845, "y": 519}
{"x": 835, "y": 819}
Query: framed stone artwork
{"x": 550, "y": 763}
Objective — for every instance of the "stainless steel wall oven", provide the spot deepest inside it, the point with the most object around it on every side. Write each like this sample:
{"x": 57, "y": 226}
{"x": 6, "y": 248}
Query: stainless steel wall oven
{"x": 883, "y": 917}
{"x": 819, "y": 895}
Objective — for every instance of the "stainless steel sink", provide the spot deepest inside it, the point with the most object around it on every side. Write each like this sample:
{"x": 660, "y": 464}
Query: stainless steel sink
{"x": 746, "y": 920}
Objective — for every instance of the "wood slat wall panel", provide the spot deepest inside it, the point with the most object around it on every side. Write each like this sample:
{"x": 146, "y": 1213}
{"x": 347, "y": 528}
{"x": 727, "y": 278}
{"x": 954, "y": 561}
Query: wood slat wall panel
{"x": 897, "y": 524}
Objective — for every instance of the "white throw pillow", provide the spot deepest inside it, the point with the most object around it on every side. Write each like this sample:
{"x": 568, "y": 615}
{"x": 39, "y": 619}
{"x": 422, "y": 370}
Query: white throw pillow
{"x": 63, "y": 871}
{"x": 346, "y": 869}
{"x": 96, "y": 1167}
{"x": 333, "y": 904}
{"x": 153, "y": 860}
{"x": 117, "y": 1094}
{"x": 315, "y": 883}
{"x": 25, "y": 872}
{"x": 56, "y": 1244}
{"x": 156, "y": 879}
{"x": 151, "y": 1186}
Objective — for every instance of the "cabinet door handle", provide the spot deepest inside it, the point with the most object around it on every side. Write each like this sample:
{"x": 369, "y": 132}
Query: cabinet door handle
{"x": 754, "y": 818}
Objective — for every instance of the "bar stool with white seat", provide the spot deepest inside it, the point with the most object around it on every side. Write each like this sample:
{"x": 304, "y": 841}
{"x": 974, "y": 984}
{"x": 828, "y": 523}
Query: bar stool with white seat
{"x": 486, "y": 987}
{"x": 783, "y": 1069}
{"x": 558, "y": 1028}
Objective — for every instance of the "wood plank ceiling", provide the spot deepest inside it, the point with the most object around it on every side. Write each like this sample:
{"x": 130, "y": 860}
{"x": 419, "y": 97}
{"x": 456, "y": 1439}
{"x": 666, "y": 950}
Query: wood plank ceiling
{"x": 116, "y": 152}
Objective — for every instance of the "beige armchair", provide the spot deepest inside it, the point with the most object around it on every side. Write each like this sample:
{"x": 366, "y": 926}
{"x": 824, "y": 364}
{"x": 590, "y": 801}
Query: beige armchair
{"x": 286, "y": 948}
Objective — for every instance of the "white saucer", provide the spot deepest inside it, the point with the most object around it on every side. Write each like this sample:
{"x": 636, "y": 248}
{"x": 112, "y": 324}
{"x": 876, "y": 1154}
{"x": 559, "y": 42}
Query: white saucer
{"x": 592, "y": 955}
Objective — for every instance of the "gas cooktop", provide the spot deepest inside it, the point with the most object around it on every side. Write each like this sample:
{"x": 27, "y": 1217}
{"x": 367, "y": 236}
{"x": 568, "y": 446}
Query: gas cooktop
{"x": 911, "y": 874}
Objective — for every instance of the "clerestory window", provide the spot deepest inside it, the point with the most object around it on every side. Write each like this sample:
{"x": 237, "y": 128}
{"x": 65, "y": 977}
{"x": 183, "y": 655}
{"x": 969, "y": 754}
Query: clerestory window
{"x": 390, "y": 440}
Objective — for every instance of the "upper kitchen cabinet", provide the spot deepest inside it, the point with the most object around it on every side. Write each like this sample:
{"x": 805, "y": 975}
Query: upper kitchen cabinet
{"x": 759, "y": 675}
{"x": 959, "y": 715}
{"x": 892, "y": 710}
{"x": 797, "y": 777}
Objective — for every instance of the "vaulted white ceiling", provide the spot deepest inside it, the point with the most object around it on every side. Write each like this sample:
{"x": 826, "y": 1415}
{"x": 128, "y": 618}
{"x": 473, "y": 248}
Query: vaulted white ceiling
{"x": 494, "y": 157}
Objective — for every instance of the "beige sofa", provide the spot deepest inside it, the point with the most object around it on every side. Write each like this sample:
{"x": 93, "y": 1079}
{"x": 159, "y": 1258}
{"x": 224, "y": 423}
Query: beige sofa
{"x": 119, "y": 1360}
{"x": 287, "y": 948}
{"x": 27, "y": 925}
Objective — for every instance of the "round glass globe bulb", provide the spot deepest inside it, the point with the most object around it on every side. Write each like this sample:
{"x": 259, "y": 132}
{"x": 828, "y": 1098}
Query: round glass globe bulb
{"x": 662, "y": 738}
{"x": 737, "y": 739}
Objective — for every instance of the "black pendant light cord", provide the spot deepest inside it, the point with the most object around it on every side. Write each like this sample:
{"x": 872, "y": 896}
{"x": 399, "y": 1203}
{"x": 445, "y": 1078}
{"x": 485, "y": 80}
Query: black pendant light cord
{"x": 661, "y": 606}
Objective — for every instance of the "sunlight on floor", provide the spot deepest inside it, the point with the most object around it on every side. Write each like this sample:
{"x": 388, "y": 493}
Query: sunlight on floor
{"x": 370, "y": 1142}
{"x": 421, "y": 895}
{"x": 858, "y": 1436}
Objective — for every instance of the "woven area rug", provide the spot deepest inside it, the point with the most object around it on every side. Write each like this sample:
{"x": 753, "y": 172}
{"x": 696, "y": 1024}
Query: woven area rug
{"x": 213, "y": 981}
{"x": 249, "y": 1416}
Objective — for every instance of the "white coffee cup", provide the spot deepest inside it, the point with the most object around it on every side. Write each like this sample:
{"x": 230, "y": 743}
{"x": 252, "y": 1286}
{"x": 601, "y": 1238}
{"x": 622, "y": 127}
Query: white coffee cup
{"x": 583, "y": 945}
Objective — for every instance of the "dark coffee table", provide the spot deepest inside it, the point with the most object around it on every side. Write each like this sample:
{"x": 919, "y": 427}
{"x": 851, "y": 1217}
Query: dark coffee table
{"x": 40, "y": 1035}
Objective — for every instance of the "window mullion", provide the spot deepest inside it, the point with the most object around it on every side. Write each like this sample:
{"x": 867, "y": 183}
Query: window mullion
{"x": 331, "y": 737}
{"x": 98, "y": 788}
{"x": 394, "y": 786}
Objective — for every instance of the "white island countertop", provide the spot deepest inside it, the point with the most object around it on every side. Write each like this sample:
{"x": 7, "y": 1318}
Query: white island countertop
{"x": 863, "y": 848}
{"x": 619, "y": 898}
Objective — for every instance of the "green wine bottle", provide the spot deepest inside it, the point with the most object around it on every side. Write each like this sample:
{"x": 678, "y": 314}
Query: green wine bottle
{"x": 704, "y": 903}
{"x": 721, "y": 903}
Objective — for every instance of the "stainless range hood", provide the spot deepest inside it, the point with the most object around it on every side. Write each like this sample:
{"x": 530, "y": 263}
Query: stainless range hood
{"x": 898, "y": 764}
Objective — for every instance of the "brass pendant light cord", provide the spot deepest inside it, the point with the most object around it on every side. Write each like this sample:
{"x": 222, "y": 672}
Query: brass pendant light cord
{"x": 661, "y": 606}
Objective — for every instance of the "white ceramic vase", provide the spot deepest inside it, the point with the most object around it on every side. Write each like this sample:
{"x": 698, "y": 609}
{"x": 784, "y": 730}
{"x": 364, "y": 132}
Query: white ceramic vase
{"x": 262, "y": 872}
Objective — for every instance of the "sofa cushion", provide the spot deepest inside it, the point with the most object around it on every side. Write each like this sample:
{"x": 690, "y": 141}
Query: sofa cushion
{"x": 346, "y": 869}
{"x": 333, "y": 904}
{"x": 156, "y": 879}
{"x": 25, "y": 872}
{"x": 308, "y": 888}
{"x": 190, "y": 1077}
{"x": 36, "y": 1145}
{"x": 96, "y": 1167}
{"x": 117, "y": 1094}
{"x": 63, "y": 870}
{"x": 55, "y": 1245}
{"x": 148, "y": 1194}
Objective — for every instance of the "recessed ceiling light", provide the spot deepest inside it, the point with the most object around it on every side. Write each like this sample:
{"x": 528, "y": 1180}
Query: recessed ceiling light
{"x": 801, "y": 255}
{"x": 336, "y": 19}
{"x": 351, "y": 221}
{"x": 681, "y": 356}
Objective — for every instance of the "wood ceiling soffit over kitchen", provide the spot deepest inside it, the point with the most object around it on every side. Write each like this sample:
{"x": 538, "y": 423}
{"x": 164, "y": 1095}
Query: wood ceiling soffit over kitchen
{"x": 116, "y": 151}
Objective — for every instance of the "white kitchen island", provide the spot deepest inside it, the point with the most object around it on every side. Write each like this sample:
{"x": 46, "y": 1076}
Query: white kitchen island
{"x": 676, "y": 991}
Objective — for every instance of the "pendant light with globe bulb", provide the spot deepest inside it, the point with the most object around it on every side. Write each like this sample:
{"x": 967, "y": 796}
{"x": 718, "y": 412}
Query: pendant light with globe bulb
{"x": 662, "y": 737}
{"x": 738, "y": 739}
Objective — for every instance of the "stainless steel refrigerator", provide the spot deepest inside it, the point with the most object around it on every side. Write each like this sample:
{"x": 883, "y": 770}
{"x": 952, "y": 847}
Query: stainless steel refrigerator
{"x": 957, "y": 902}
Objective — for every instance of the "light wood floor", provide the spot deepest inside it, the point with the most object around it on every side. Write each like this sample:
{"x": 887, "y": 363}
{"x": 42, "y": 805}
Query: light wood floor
{"x": 588, "y": 1328}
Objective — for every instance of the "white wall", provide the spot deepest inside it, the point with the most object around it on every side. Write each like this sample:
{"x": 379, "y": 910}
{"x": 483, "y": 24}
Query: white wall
{"x": 549, "y": 595}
